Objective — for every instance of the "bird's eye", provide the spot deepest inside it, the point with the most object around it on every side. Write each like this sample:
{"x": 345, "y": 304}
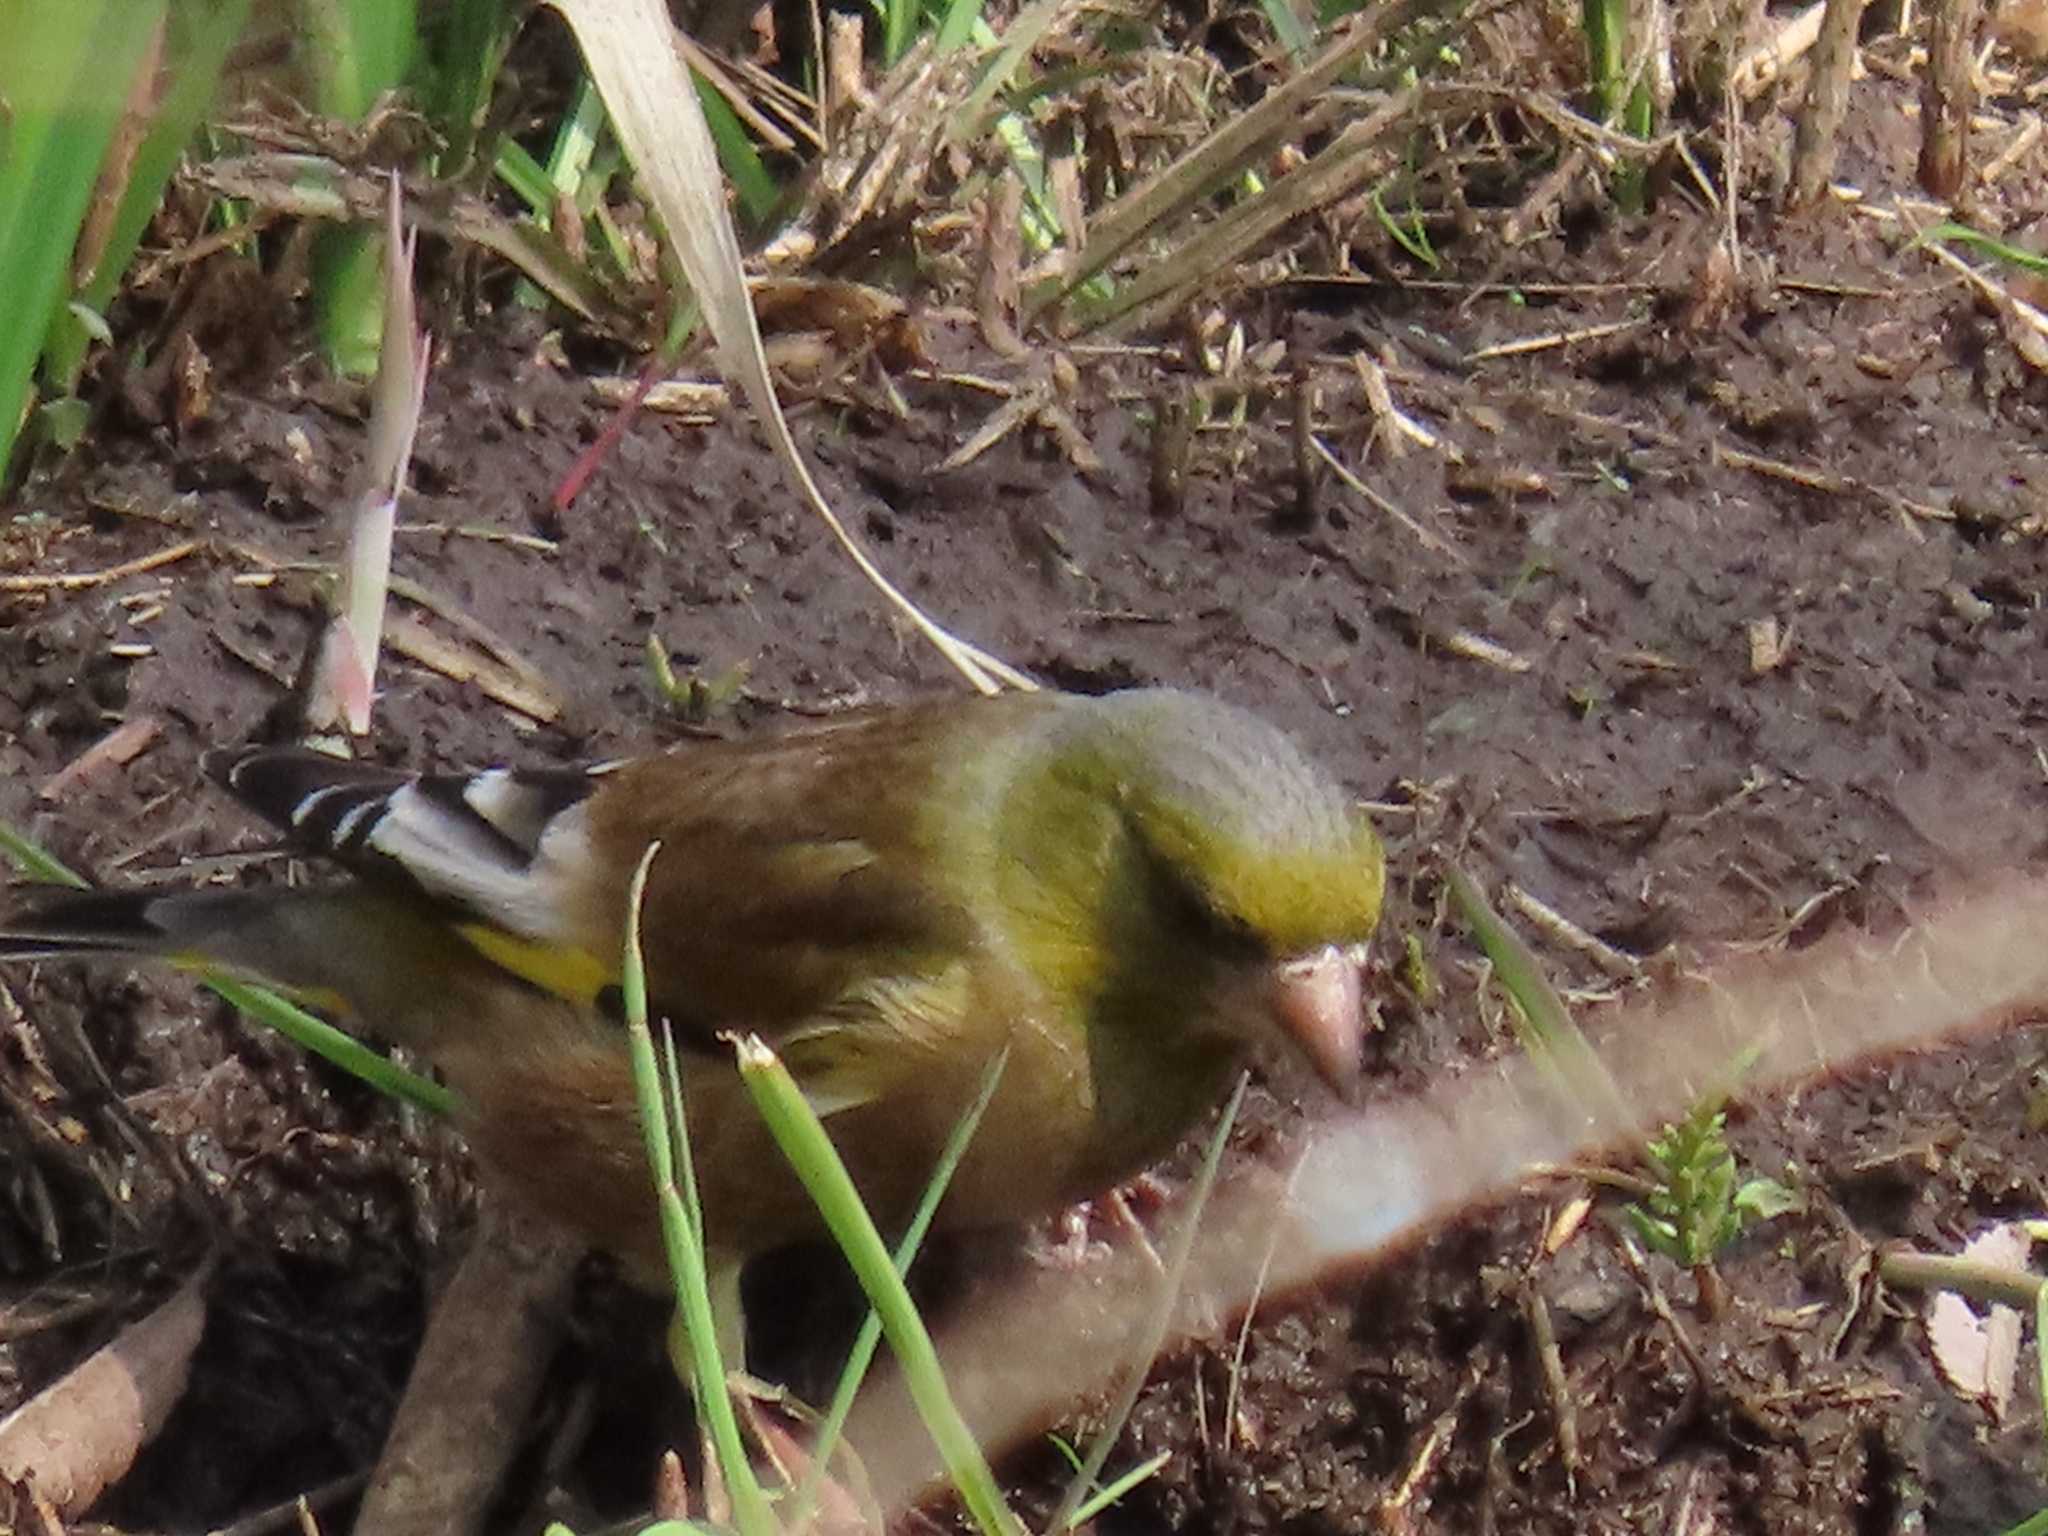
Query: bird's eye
{"x": 1216, "y": 931}
{"x": 1233, "y": 936}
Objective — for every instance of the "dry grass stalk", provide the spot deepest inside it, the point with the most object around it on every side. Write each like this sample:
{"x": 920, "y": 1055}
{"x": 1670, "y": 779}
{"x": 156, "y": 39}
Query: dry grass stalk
{"x": 1827, "y": 100}
{"x": 1169, "y": 192}
{"x": 1347, "y": 162}
{"x": 1002, "y": 260}
{"x": 1764, "y": 64}
{"x": 286, "y": 186}
{"x": 1948, "y": 97}
{"x": 78, "y": 581}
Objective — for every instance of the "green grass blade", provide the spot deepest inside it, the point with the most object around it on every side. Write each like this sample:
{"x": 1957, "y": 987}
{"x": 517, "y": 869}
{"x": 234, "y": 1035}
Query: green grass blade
{"x": 1950, "y": 232}
{"x": 1018, "y": 39}
{"x": 64, "y": 77}
{"x": 527, "y": 177}
{"x": 335, "y": 1045}
{"x": 759, "y": 195}
{"x": 957, "y": 25}
{"x": 1548, "y": 1026}
{"x": 1547, "y": 1029}
{"x": 801, "y": 1135}
{"x": 29, "y": 857}
{"x": 899, "y": 28}
{"x": 467, "y": 50}
{"x": 1110, "y": 1492}
{"x": 576, "y": 139}
{"x": 199, "y": 38}
{"x": 358, "y": 50}
{"x": 681, "y": 1231}
{"x": 863, "y": 1352}
{"x": 2041, "y": 1349}
{"x": 1294, "y": 36}
{"x": 1604, "y": 25}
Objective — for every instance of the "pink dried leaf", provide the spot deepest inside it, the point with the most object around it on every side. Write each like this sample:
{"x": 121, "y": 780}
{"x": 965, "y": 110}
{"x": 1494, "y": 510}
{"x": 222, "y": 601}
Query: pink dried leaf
{"x": 1979, "y": 1356}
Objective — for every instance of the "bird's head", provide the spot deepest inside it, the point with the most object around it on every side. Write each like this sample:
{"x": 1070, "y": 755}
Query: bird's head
{"x": 1247, "y": 883}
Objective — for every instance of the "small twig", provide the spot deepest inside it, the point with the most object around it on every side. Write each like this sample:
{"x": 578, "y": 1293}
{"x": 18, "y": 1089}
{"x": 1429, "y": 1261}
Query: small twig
{"x": 1474, "y": 646}
{"x": 1426, "y": 1455}
{"x": 1826, "y": 482}
{"x": 1529, "y": 344}
{"x": 1544, "y": 196}
{"x": 713, "y": 68}
{"x": 1396, "y": 423}
{"x": 1244, "y": 1331}
{"x": 1557, "y": 1385}
{"x": 488, "y": 1343}
{"x": 1006, "y": 418}
{"x": 1563, "y": 931}
{"x": 693, "y": 398}
{"x": 671, "y": 1488}
{"x": 416, "y": 642}
{"x": 1948, "y": 97}
{"x": 1703, "y": 1377}
{"x": 1566, "y": 1224}
{"x": 526, "y": 541}
{"x": 1739, "y": 1403}
{"x": 1164, "y": 195}
{"x": 1172, "y": 442}
{"x": 294, "y": 1511}
{"x": 1302, "y": 439}
{"x": 1910, "y": 1269}
{"x": 2023, "y": 141}
{"x": 1765, "y": 63}
{"x": 475, "y": 628}
{"x": 120, "y": 746}
{"x": 1351, "y": 481}
{"x": 79, "y": 581}
{"x": 1001, "y": 261}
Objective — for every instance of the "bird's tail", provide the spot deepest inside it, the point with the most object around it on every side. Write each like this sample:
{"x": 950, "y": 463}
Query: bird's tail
{"x": 85, "y": 923}
{"x": 333, "y": 948}
{"x": 381, "y": 959}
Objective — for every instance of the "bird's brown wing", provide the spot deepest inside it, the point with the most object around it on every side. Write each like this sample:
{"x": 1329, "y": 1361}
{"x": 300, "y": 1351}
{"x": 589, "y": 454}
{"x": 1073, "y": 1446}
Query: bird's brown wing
{"x": 795, "y": 870}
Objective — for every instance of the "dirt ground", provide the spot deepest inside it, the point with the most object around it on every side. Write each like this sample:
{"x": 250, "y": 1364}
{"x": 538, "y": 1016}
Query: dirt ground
{"x": 1613, "y": 529}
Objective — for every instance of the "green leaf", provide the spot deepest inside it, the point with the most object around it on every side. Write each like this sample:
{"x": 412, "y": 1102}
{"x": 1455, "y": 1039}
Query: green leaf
{"x": 1762, "y": 1199}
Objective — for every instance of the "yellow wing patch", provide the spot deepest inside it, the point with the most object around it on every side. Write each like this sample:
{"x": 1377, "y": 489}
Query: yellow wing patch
{"x": 575, "y": 974}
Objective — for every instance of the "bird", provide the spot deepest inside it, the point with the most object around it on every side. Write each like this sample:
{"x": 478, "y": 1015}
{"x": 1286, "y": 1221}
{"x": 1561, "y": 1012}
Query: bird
{"x": 1128, "y": 893}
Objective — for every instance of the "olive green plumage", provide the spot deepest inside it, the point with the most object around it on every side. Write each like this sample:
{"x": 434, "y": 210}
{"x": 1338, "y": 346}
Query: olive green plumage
{"x": 1127, "y": 893}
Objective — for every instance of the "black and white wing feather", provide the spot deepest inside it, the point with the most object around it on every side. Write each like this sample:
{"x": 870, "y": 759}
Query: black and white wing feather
{"x": 496, "y": 844}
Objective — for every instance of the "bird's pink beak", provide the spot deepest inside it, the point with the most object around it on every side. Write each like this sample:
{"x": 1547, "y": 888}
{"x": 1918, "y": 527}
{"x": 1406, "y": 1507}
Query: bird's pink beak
{"x": 1318, "y": 1001}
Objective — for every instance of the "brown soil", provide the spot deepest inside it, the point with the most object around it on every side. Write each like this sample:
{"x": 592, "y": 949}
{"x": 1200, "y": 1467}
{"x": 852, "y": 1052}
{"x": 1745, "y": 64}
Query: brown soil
{"x": 1631, "y": 766}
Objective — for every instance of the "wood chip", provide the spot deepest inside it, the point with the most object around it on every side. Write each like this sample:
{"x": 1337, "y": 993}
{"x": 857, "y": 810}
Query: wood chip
{"x": 1978, "y": 1357}
{"x": 673, "y": 397}
{"x": 1767, "y": 645}
{"x": 119, "y": 747}
{"x": 80, "y": 1435}
{"x": 1476, "y": 647}
{"x": 1566, "y": 1224}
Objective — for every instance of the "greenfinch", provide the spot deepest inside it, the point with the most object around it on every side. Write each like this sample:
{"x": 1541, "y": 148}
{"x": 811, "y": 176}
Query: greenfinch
{"x": 1128, "y": 893}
